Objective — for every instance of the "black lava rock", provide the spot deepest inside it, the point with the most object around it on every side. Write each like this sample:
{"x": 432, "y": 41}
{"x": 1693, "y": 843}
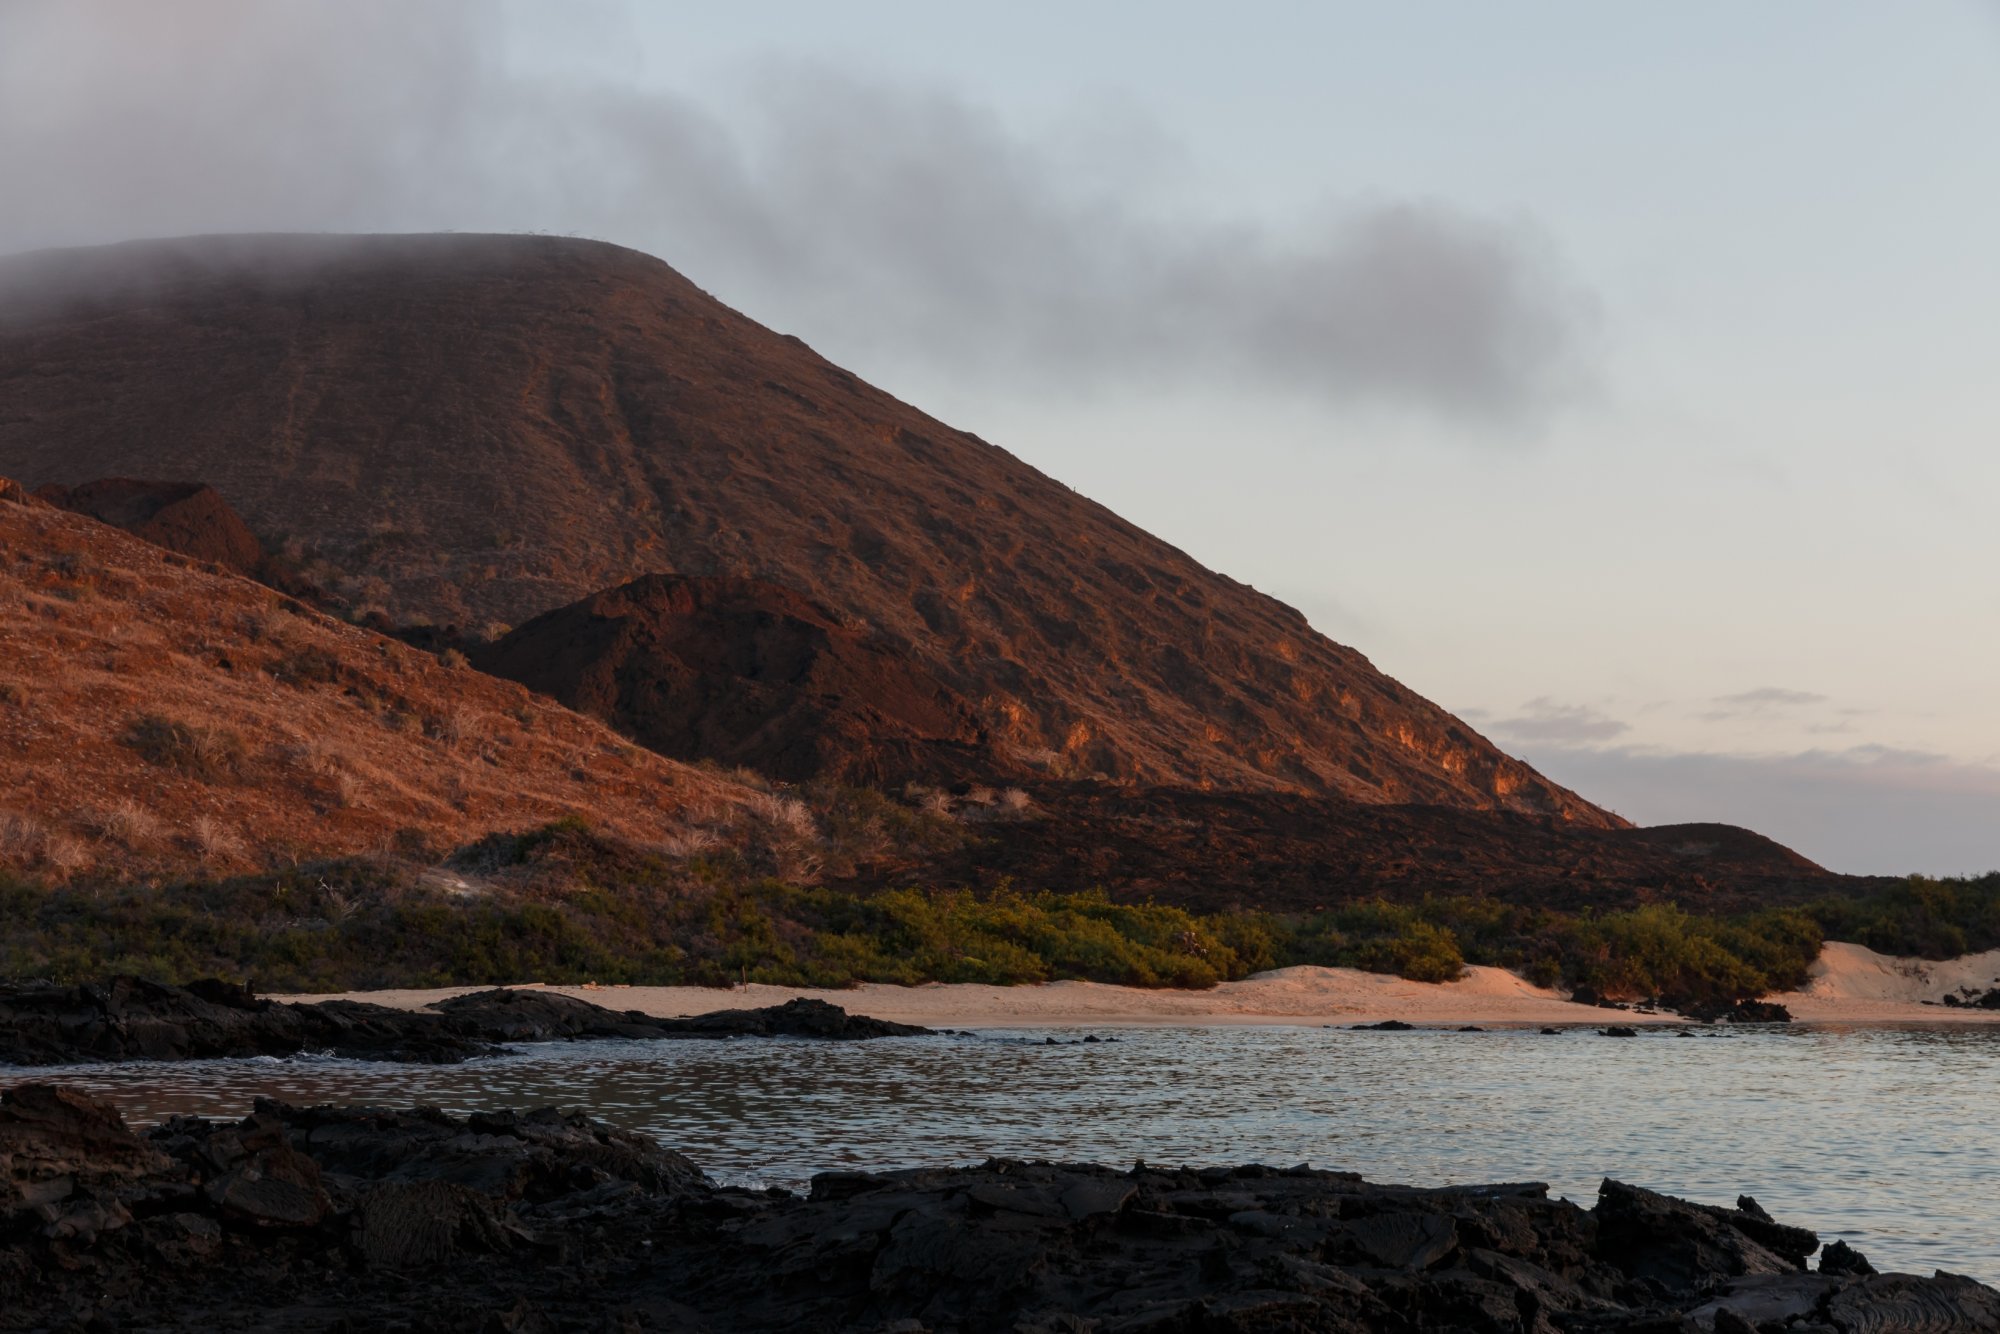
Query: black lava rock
{"x": 325, "y": 1218}
{"x": 1840, "y": 1258}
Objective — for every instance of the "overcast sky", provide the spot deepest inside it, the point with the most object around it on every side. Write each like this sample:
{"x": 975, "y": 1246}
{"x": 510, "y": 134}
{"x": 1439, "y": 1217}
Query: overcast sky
{"x": 1621, "y": 378}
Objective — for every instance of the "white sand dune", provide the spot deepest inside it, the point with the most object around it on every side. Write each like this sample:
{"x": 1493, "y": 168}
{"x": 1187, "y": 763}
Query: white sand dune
{"x": 1854, "y": 984}
{"x": 1849, "y": 984}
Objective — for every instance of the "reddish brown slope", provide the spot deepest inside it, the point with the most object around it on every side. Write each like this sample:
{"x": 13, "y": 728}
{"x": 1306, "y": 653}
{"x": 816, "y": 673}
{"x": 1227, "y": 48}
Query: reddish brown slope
{"x": 159, "y": 715}
{"x": 486, "y": 428}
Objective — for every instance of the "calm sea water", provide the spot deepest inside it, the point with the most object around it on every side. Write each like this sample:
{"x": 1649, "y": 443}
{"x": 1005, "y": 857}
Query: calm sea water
{"x": 1888, "y": 1138}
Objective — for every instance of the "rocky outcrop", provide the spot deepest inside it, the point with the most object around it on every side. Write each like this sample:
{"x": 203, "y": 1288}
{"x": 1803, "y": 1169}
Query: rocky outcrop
{"x": 58, "y": 1145}
{"x": 543, "y": 1016}
{"x": 1735, "y": 1012}
{"x": 325, "y": 1218}
{"x": 128, "y": 1019}
{"x": 1759, "y": 1012}
{"x": 188, "y": 517}
{"x": 746, "y": 673}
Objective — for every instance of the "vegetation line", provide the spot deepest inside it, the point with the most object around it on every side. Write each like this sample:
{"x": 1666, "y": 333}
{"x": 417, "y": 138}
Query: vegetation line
{"x": 654, "y": 920}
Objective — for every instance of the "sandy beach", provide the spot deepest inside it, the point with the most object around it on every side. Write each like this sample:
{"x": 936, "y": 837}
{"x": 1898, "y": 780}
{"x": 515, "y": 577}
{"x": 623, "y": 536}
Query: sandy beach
{"x": 1850, "y": 984}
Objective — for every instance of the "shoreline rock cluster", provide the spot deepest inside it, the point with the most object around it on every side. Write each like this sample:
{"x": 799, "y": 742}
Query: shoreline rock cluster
{"x": 1741, "y": 1011}
{"x": 129, "y": 1019}
{"x": 332, "y": 1218}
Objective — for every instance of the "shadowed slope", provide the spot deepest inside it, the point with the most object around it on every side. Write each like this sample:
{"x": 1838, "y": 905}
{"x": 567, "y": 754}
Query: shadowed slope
{"x": 482, "y": 429}
{"x": 745, "y": 673}
{"x": 188, "y": 517}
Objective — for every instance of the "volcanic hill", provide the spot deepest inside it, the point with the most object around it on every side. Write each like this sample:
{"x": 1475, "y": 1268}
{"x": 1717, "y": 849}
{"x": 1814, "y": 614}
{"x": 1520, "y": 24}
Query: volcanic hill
{"x": 163, "y": 716}
{"x": 478, "y": 430}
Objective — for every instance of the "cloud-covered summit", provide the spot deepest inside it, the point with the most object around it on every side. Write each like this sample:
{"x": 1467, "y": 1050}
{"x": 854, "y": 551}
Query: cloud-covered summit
{"x": 880, "y": 221}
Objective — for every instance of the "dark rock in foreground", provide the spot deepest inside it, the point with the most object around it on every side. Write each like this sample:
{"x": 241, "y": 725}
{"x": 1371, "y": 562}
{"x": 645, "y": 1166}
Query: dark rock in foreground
{"x": 299, "y": 1219}
{"x": 126, "y": 1019}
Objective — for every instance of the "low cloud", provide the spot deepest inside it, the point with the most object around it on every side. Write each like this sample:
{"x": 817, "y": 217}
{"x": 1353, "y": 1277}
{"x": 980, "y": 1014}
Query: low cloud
{"x": 876, "y": 220}
{"x": 1544, "y": 720}
{"x": 1763, "y": 702}
{"x": 1770, "y": 697}
{"x": 1868, "y": 810}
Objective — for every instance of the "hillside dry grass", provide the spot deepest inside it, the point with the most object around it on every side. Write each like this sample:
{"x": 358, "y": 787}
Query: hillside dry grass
{"x": 163, "y": 719}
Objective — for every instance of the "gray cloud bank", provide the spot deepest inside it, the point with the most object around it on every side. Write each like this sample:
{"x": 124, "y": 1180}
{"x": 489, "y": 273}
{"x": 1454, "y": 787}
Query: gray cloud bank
{"x": 1866, "y": 810}
{"x": 877, "y": 221}
{"x": 1770, "y": 697}
{"x": 1763, "y": 702}
{"x": 1545, "y": 720}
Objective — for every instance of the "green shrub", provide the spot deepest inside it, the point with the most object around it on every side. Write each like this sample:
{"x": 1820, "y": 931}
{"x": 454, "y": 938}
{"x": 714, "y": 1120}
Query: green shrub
{"x": 1929, "y": 918}
{"x": 568, "y": 904}
{"x": 1421, "y": 952}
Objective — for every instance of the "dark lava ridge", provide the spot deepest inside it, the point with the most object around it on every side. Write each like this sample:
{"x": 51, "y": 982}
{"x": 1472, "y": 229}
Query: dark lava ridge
{"x": 128, "y": 1019}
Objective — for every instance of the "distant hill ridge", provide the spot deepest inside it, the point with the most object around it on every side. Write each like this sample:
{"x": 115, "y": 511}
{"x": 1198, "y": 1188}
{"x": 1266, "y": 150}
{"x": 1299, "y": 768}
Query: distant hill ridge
{"x": 482, "y": 429}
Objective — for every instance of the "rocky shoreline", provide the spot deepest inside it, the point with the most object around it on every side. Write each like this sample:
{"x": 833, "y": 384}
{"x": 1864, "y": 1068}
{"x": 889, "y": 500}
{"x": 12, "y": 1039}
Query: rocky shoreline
{"x": 129, "y": 1019}
{"x": 330, "y": 1218}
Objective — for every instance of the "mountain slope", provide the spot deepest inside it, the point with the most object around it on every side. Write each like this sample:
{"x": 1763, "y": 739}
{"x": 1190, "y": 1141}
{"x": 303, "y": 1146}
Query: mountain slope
{"x": 161, "y": 716}
{"x": 482, "y": 429}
